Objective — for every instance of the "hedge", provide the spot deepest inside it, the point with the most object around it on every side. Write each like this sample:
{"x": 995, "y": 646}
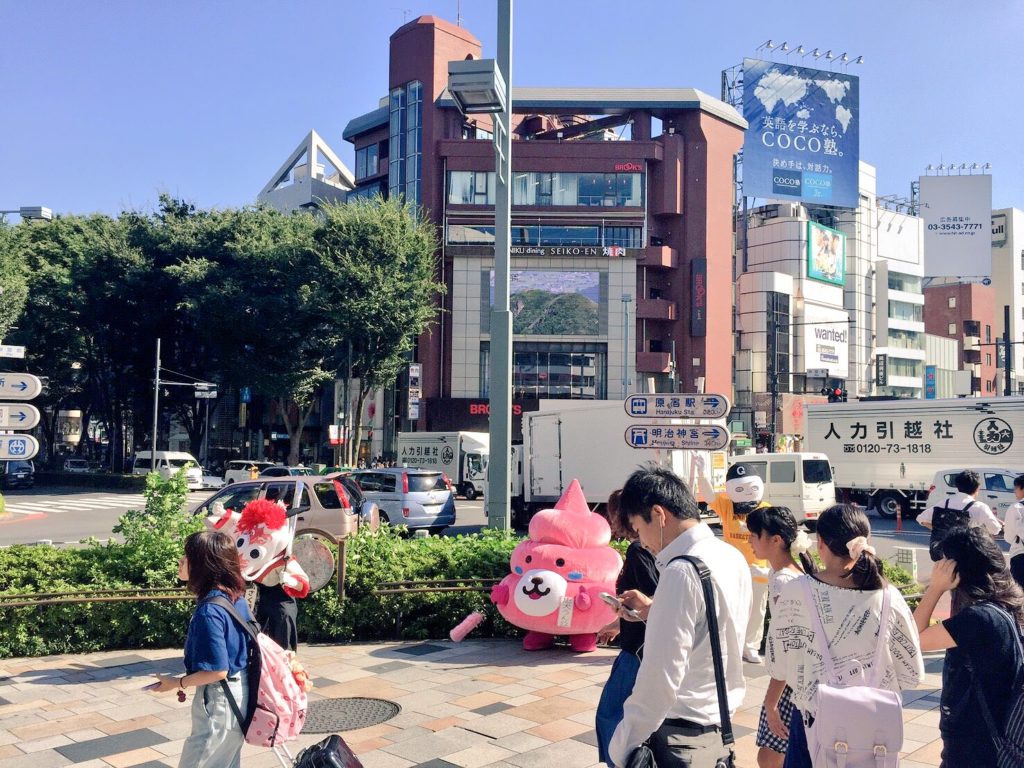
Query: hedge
{"x": 90, "y": 480}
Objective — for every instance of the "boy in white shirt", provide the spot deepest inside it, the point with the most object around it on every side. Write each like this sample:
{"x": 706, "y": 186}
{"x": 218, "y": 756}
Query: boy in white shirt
{"x": 1014, "y": 531}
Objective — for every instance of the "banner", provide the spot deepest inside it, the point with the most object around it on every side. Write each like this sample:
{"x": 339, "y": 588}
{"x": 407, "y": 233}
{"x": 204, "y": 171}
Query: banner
{"x": 699, "y": 297}
{"x": 826, "y": 340}
{"x": 826, "y": 254}
{"x": 957, "y": 213}
{"x": 803, "y": 139}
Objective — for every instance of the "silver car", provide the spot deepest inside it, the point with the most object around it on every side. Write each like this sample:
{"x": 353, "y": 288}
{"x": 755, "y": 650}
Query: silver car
{"x": 418, "y": 498}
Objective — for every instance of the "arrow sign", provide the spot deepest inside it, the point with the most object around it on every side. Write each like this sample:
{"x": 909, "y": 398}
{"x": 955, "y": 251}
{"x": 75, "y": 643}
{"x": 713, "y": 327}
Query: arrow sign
{"x": 18, "y": 446}
{"x": 693, "y": 437}
{"x": 18, "y": 416}
{"x": 19, "y": 386}
{"x": 678, "y": 406}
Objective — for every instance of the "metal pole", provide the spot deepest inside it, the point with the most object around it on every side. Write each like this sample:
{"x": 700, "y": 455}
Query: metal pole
{"x": 499, "y": 501}
{"x": 626, "y": 298}
{"x": 346, "y": 428}
{"x": 773, "y": 375}
{"x": 1007, "y": 353}
{"x": 206, "y": 436}
{"x": 156, "y": 410}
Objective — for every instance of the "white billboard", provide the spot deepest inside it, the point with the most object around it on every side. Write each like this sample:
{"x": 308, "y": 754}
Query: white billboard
{"x": 826, "y": 340}
{"x": 957, "y": 213}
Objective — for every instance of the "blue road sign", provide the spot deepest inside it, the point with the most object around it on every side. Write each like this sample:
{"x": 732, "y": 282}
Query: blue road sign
{"x": 694, "y": 437}
{"x": 18, "y": 447}
{"x": 678, "y": 406}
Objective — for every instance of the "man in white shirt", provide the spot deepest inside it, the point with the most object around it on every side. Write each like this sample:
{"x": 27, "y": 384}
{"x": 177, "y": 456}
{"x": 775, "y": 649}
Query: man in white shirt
{"x": 674, "y": 703}
{"x": 967, "y": 485}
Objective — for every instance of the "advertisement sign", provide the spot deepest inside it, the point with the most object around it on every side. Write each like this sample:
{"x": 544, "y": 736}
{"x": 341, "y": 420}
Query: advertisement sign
{"x": 803, "y": 139}
{"x": 826, "y": 340}
{"x": 552, "y": 303}
{"x": 957, "y": 213}
{"x": 998, "y": 230}
{"x": 882, "y": 371}
{"x": 929, "y": 382}
{"x": 699, "y": 297}
{"x": 826, "y": 254}
{"x": 415, "y": 389}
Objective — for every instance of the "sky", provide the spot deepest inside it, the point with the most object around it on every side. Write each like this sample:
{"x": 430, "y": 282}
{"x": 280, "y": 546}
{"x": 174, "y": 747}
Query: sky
{"x": 105, "y": 104}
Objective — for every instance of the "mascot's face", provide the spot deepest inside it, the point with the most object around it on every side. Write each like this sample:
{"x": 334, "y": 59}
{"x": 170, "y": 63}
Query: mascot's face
{"x": 544, "y": 573}
{"x": 743, "y": 487}
{"x": 258, "y": 548}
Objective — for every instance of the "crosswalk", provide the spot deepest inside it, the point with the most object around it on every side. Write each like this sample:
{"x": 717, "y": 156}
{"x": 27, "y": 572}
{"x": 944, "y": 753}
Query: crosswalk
{"x": 34, "y": 505}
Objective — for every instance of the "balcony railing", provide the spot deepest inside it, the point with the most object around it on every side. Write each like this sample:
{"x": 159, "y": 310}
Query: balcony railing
{"x": 656, "y": 309}
{"x": 653, "y": 362}
{"x": 660, "y": 256}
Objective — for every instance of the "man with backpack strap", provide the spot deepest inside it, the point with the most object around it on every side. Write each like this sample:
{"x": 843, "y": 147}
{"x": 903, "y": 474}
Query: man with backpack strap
{"x": 961, "y": 509}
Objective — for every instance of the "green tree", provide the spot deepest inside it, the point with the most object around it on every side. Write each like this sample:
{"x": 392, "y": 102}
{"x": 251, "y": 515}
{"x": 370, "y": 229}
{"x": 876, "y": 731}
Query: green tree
{"x": 13, "y": 279}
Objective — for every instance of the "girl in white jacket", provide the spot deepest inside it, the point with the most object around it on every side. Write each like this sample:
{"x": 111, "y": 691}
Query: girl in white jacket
{"x": 1013, "y": 531}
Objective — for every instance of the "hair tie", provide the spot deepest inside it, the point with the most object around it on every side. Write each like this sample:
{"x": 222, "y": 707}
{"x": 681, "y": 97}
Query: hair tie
{"x": 858, "y": 546}
{"x": 801, "y": 544}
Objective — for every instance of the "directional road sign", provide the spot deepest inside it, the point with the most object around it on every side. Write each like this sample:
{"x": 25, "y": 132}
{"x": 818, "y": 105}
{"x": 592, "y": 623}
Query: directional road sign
{"x": 18, "y": 416}
{"x": 677, "y": 406}
{"x": 18, "y": 446}
{"x": 694, "y": 437}
{"x": 9, "y": 350}
{"x": 19, "y": 386}
{"x": 208, "y": 394}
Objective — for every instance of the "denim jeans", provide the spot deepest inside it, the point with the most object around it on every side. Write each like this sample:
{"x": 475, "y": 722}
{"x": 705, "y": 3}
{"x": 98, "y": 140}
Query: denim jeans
{"x": 216, "y": 739}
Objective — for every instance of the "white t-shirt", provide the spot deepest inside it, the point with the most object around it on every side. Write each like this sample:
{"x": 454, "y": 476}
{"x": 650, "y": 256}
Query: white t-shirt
{"x": 778, "y": 579}
{"x": 1014, "y": 531}
{"x": 980, "y": 512}
{"x": 851, "y": 620}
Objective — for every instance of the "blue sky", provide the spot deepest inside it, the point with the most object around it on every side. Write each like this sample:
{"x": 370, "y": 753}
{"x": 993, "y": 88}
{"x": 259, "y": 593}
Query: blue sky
{"x": 106, "y": 103}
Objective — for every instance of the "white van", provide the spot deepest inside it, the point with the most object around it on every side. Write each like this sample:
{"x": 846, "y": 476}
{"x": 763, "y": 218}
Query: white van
{"x": 169, "y": 462}
{"x": 801, "y": 481}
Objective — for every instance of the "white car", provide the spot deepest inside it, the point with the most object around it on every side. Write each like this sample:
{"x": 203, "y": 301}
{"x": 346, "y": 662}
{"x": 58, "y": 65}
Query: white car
{"x": 76, "y": 466}
{"x": 996, "y": 488}
{"x": 244, "y": 469}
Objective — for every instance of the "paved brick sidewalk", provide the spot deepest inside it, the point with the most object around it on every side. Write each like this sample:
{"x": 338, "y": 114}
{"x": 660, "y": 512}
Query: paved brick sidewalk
{"x": 478, "y": 703}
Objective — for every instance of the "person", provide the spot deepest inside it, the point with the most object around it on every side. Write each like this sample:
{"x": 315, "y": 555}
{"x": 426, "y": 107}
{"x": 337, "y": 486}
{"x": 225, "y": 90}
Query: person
{"x": 980, "y": 639}
{"x": 743, "y": 493}
{"x": 639, "y": 572}
{"x": 1014, "y": 531}
{"x": 216, "y": 649}
{"x": 674, "y": 705}
{"x": 967, "y": 484}
{"x": 848, "y": 594}
{"x": 776, "y": 537}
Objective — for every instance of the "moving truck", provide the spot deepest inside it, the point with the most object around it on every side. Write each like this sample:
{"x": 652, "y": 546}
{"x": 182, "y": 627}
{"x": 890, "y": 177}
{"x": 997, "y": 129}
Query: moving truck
{"x": 462, "y": 456}
{"x": 885, "y": 453}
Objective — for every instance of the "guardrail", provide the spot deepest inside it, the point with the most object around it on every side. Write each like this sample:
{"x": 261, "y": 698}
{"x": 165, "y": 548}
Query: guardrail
{"x": 34, "y": 600}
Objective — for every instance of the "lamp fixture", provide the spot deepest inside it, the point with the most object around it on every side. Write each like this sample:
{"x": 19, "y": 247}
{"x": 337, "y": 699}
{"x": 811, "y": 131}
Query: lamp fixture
{"x": 476, "y": 86}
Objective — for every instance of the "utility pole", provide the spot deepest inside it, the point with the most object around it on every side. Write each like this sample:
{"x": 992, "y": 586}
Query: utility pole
{"x": 156, "y": 410}
{"x": 771, "y": 347}
{"x": 1007, "y": 353}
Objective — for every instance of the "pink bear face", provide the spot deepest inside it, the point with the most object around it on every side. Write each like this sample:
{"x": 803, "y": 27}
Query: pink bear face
{"x": 546, "y": 571}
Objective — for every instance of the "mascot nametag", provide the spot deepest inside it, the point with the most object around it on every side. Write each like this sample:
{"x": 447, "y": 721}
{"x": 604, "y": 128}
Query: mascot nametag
{"x": 565, "y": 612}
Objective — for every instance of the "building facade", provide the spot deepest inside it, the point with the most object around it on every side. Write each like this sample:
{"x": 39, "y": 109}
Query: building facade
{"x": 1008, "y": 279}
{"x": 621, "y": 231}
{"x": 966, "y": 312}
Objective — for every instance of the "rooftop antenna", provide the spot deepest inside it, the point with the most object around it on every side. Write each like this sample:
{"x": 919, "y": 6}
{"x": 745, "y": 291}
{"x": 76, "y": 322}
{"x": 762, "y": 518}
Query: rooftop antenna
{"x": 405, "y": 13}
{"x": 458, "y": 13}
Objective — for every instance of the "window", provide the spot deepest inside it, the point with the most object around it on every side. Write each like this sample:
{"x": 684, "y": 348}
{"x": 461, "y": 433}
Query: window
{"x": 817, "y": 471}
{"x": 405, "y": 141}
{"x": 988, "y": 358}
{"x": 783, "y": 471}
{"x": 906, "y": 339}
{"x": 996, "y": 482}
{"x": 234, "y": 501}
{"x": 366, "y": 162}
{"x": 387, "y": 483}
{"x": 952, "y": 302}
{"x": 952, "y": 329}
{"x": 283, "y": 492}
{"x": 535, "y": 188}
{"x": 988, "y": 334}
{"x": 430, "y": 482}
{"x": 549, "y": 234}
{"x": 906, "y": 283}
{"x": 904, "y": 310}
{"x": 557, "y": 370}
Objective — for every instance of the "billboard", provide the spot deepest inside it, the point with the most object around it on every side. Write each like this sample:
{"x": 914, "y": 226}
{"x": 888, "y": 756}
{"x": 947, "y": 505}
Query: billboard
{"x": 826, "y": 254}
{"x": 826, "y": 340}
{"x": 957, "y": 213}
{"x": 553, "y": 303}
{"x": 803, "y": 139}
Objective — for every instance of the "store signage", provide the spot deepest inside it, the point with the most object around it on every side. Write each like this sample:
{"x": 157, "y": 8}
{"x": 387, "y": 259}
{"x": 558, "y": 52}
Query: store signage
{"x": 882, "y": 371}
{"x": 929, "y": 382}
{"x": 415, "y": 389}
{"x": 998, "y": 230}
{"x": 699, "y": 297}
{"x": 629, "y": 167}
{"x": 694, "y": 437}
{"x": 606, "y": 251}
{"x": 677, "y": 406}
{"x": 826, "y": 254}
{"x": 9, "y": 350}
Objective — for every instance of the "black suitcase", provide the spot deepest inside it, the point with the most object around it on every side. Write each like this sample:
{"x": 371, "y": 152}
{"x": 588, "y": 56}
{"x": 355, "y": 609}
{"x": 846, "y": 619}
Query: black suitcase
{"x": 332, "y": 752}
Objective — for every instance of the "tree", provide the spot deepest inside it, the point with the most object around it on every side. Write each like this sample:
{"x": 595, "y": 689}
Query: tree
{"x": 13, "y": 280}
{"x": 375, "y": 287}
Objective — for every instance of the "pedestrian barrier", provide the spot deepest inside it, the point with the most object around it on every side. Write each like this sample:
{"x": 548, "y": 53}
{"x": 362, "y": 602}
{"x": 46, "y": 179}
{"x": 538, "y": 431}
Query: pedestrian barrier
{"x": 30, "y": 600}
{"x": 426, "y": 586}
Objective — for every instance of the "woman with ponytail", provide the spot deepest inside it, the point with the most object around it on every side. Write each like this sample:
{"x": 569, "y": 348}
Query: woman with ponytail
{"x": 776, "y": 536}
{"x": 847, "y": 595}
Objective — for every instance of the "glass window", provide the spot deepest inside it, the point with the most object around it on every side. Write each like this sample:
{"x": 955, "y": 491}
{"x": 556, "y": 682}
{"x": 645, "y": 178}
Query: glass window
{"x": 904, "y": 310}
{"x": 952, "y": 329}
{"x": 558, "y": 370}
{"x": 283, "y": 492}
{"x": 235, "y": 500}
{"x": 988, "y": 334}
{"x": 952, "y": 302}
{"x": 624, "y": 237}
{"x": 387, "y": 483}
{"x": 327, "y": 495}
{"x": 783, "y": 471}
{"x": 907, "y": 283}
{"x": 418, "y": 483}
{"x": 817, "y": 471}
{"x": 366, "y": 162}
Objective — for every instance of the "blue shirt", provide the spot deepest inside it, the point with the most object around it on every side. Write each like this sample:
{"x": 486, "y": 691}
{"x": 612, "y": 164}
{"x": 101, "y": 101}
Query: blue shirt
{"x": 215, "y": 642}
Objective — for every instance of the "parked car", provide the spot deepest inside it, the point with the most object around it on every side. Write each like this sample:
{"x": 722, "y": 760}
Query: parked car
{"x": 279, "y": 471}
{"x": 77, "y": 466}
{"x": 368, "y": 510}
{"x": 168, "y": 463}
{"x": 211, "y": 481}
{"x": 244, "y": 469}
{"x": 322, "y": 504}
{"x": 996, "y": 488}
{"x": 17, "y": 474}
{"x": 418, "y": 498}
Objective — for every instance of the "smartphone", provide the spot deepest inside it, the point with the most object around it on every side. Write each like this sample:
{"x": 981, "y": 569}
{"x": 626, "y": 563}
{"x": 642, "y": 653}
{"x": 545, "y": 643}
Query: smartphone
{"x": 616, "y": 604}
{"x": 151, "y": 686}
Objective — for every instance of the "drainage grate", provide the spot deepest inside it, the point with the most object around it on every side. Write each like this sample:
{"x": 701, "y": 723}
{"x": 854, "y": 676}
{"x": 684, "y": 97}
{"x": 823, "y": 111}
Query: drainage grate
{"x": 335, "y": 715}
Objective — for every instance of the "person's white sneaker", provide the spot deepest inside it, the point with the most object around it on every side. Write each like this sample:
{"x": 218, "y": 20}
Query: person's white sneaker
{"x": 752, "y": 657}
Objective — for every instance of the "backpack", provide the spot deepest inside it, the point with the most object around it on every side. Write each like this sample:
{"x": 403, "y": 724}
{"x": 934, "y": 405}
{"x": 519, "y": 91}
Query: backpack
{"x": 1009, "y": 740}
{"x": 277, "y": 705}
{"x": 858, "y": 724}
{"x": 944, "y": 518}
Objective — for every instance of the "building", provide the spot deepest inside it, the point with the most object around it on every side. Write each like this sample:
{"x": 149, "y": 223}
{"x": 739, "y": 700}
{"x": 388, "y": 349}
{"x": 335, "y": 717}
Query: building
{"x": 825, "y": 298}
{"x": 311, "y": 175}
{"x": 1008, "y": 279}
{"x": 966, "y": 312}
{"x": 942, "y": 364}
{"x": 621, "y": 231}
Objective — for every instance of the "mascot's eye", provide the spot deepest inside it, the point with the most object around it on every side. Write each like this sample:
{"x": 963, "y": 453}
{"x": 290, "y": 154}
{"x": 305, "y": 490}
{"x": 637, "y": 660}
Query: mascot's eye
{"x": 559, "y": 562}
{"x": 240, "y": 543}
{"x": 255, "y": 553}
{"x": 529, "y": 558}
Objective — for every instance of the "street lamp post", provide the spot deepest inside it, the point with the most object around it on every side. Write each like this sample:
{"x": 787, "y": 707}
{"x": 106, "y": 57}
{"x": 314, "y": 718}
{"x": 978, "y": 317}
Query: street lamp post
{"x": 479, "y": 87}
{"x": 626, "y": 299}
{"x": 31, "y": 212}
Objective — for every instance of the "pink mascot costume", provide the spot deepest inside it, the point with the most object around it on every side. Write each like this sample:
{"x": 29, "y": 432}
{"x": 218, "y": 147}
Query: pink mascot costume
{"x": 557, "y": 574}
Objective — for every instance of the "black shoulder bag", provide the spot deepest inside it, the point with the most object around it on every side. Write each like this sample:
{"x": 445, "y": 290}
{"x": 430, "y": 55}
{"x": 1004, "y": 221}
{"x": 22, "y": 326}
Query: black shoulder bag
{"x": 642, "y": 756}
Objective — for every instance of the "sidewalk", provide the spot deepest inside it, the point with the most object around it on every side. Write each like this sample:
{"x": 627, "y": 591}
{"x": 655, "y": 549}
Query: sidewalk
{"x": 478, "y": 703}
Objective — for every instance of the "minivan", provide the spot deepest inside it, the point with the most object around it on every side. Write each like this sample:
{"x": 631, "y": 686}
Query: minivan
{"x": 17, "y": 473}
{"x": 417, "y": 498}
{"x": 169, "y": 462}
{"x": 801, "y": 481}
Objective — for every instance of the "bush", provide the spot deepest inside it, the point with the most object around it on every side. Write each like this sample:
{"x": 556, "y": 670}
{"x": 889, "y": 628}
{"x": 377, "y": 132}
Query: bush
{"x": 90, "y": 480}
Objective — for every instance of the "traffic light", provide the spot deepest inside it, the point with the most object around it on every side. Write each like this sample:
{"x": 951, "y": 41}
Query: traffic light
{"x": 834, "y": 394}
{"x": 843, "y": 393}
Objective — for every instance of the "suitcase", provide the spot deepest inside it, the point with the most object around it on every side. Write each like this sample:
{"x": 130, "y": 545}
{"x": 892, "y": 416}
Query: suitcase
{"x": 332, "y": 752}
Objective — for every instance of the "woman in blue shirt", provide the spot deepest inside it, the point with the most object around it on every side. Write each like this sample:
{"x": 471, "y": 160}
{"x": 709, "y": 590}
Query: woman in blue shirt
{"x": 216, "y": 649}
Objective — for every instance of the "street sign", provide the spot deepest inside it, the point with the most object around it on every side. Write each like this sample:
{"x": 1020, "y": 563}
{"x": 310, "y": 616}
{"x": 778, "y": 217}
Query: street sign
{"x": 817, "y": 373}
{"x": 206, "y": 395}
{"x": 672, "y": 406}
{"x": 694, "y": 437}
{"x": 8, "y": 350}
{"x": 19, "y": 386}
{"x": 18, "y": 416}
{"x": 18, "y": 446}
{"x": 245, "y": 395}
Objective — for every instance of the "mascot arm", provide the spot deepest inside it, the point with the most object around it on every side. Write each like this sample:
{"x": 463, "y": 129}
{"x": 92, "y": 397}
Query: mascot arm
{"x": 499, "y": 594}
{"x": 294, "y": 580}
{"x": 221, "y": 519}
{"x": 582, "y": 600}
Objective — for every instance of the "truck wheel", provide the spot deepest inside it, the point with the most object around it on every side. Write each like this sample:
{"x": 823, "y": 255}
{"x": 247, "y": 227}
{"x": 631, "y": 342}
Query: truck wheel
{"x": 888, "y": 504}
{"x": 469, "y": 492}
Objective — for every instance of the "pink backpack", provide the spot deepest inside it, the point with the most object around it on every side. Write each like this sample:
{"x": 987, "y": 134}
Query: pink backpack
{"x": 277, "y": 705}
{"x": 858, "y": 724}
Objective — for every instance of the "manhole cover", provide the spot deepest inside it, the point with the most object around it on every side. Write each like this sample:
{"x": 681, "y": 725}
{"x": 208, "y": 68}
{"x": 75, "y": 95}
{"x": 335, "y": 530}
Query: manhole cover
{"x": 334, "y": 715}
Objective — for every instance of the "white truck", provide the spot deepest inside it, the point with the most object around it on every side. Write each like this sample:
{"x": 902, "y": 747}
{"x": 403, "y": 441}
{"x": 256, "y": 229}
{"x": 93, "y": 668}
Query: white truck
{"x": 885, "y": 453}
{"x": 585, "y": 440}
{"x": 462, "y": 456}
